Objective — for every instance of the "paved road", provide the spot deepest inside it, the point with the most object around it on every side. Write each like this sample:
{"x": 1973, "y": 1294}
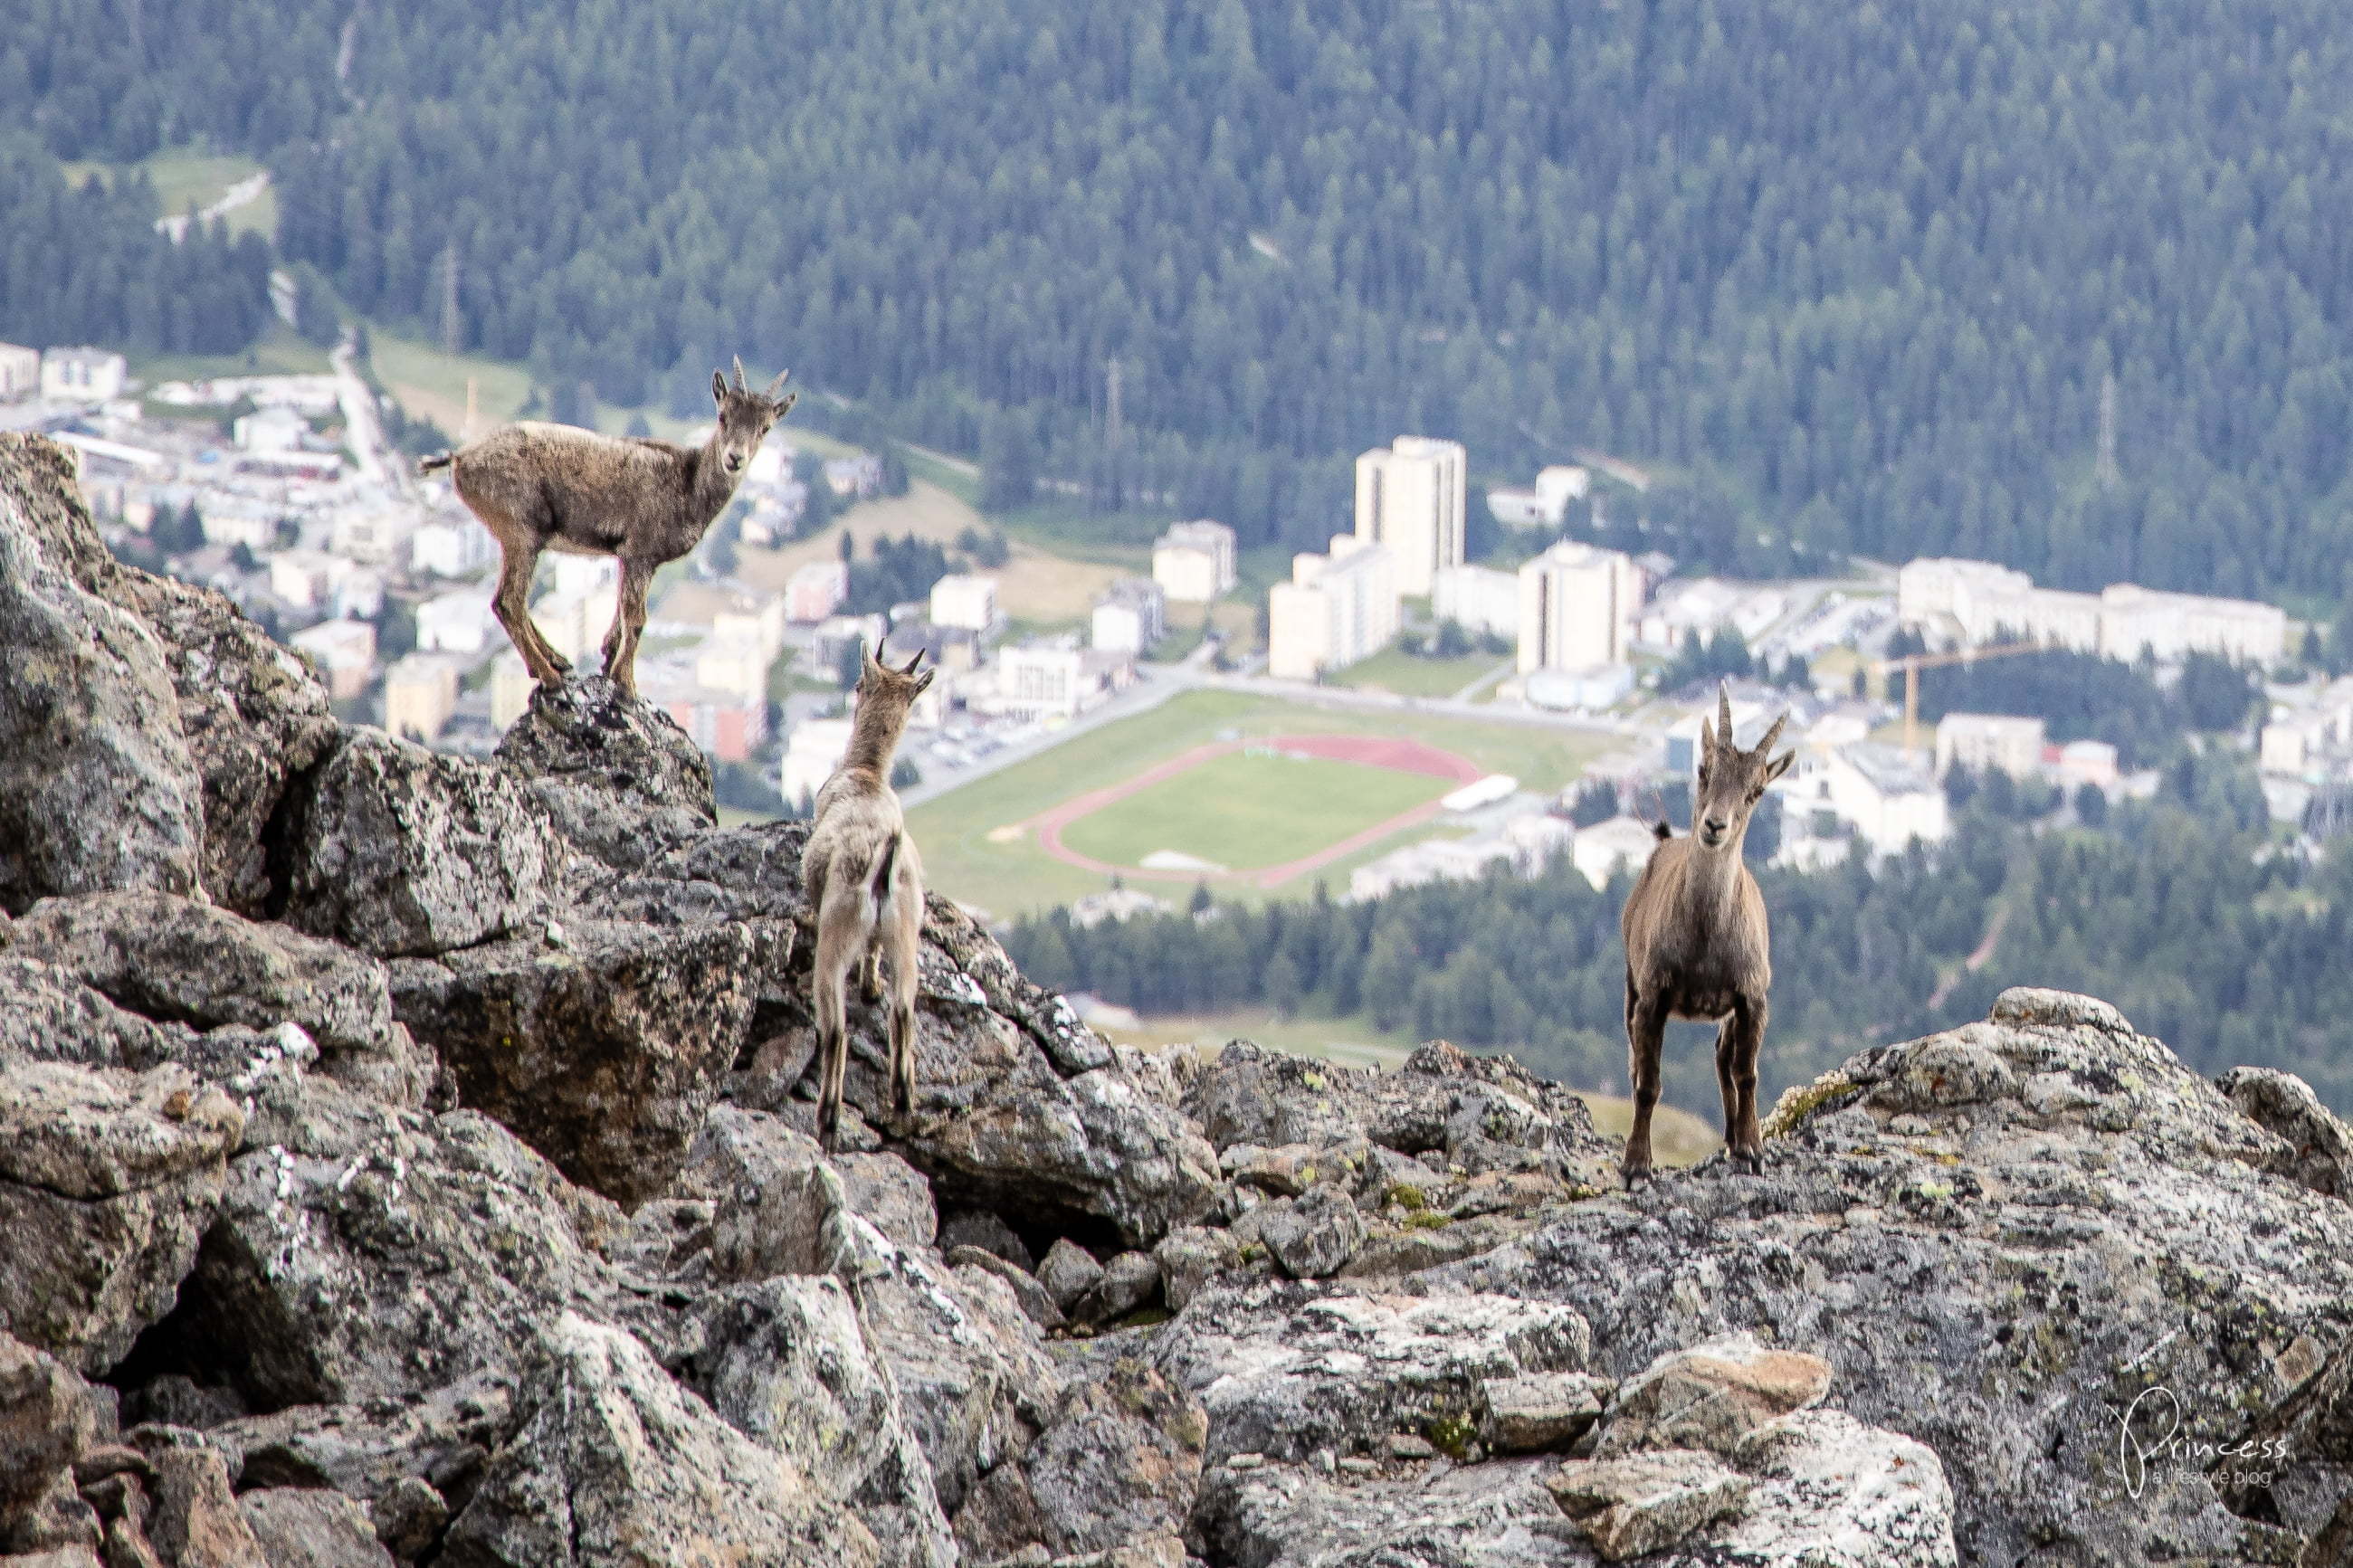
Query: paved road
{"x": 379, "y": 461}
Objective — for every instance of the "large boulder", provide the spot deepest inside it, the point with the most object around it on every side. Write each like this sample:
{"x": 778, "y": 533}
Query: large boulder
{"x": 1998, "y": 1237}
{"x": 618, "y": 776}
{"x": 45, "y": 1424}
{"x": 97, "y": 790}
{"x": 601, "y": 1043}
{"x": 303, "y": 1527}
{"x": 615, "y": 1464}
{"x": 399, "y": 851}
{"x": 251, "y": 715}
{"x": 107, "y": 1180}
{"x": 176, "y": 960}
{"x": 365, "y": 1252}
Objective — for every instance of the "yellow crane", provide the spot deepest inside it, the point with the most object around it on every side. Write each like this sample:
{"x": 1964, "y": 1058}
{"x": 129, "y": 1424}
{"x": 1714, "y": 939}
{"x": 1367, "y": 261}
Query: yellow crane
{"x": 1912, "y": 664}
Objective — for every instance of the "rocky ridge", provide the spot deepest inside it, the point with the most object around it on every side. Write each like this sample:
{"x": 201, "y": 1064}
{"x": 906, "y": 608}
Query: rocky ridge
{"x": 407, "y": 1159}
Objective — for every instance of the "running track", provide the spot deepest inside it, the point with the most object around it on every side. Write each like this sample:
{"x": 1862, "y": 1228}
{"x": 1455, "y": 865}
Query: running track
{"x": 1372, "y": 751}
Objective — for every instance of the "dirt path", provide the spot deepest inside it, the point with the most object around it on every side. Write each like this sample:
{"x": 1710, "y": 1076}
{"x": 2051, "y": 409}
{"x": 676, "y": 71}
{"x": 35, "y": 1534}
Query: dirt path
{"x": 1371, "y": 750}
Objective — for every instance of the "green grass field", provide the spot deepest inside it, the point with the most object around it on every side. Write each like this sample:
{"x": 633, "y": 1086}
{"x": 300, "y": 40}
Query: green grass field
{"x": 1407, "y": 676}
{"x": 1245, "y": 812}
{"x": 185, "y": 178}
{"x": 973, "y": 852}
{"x": 278, "y": 351}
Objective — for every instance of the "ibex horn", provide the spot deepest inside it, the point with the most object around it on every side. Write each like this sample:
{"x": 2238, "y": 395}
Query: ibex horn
{"x": 912, "y": 662}
{"x": 1723, "y": 712}
{"x": 778, "y": 385}
{"x": 1772, "y": 735}
{"x": 739, "y": 375}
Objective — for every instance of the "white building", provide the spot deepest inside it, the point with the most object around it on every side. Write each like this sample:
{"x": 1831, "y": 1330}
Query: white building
{"x": 1706, "y": 606}
{"x": 450, "y": 547}
{"x": 82, "y": 375}
{"x": 1544, "y": 504}
{"x": 1480, "y": 598}
{"x": 272, "y": 428}
{"x": 231, "y": 520}
{"x": 20, "y": 373}
{"x": 307, "y": 579}
{"x": 510, "y": 690}
{"x": 1054, "y": 679}
{"x": 1602, "y": 850}
{"x": 1195, "y": 561}
{"x": 1337, "y": 609}
{"x": 420, "y": 692}
{"x": 812, "y": 752}
{"x": 457, "y": 622}
{"x": 1990, "y": 741}
{"x": 1983, "y": 602}
{"x": 815, "y": 590}
{"x": 1431, "y": 860}
{"x": 1885, "y": 797}
{"x": 344, "y": 652}
{"x": 1410, "y": 500}
{"x": 963, "y": 600}
{"x": 1129, "y": 617}
{"x": 1577, "y": 607}
{"x": 2090, "y": 762}
{"x": 372, "y": 531}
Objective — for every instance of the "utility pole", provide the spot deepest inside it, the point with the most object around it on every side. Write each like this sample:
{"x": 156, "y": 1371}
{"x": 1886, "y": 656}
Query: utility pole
{"x": 452, "y": 336}
{"x": 2110, "y": 474}
{"x": 1111, "y": 403}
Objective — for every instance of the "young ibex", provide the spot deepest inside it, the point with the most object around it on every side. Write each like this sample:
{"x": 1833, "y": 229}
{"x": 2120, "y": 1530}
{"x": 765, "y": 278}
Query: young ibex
{"x": 1697, "y": 943}
{"x": 539, "y": 487}
{"x": 865, "y": 883}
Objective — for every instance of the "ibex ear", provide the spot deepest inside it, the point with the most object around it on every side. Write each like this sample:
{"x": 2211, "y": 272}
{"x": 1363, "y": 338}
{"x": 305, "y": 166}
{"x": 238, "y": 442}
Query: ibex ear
{"x": 1778, "y": 765}
{"x": 719, "y": 385}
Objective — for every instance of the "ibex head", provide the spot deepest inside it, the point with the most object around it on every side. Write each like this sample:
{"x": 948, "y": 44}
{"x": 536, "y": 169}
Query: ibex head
{"x": 1731, "y": 781}
{"x": 746, "y": 416}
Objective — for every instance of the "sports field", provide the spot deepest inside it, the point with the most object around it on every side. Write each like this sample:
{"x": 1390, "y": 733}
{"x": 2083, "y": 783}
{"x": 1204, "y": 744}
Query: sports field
{"x": 986, "y": 844}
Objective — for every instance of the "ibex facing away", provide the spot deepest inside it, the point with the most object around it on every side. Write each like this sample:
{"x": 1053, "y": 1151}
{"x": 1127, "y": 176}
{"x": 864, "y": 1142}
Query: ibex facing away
{"x": 1697, "y": 942}
{"x": 541, "y": 486}
{"x": 865, "y": 883}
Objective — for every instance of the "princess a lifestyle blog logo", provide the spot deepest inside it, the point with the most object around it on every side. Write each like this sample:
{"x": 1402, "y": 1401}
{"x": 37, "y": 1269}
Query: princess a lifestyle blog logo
{"x": 2152, "y": 1449}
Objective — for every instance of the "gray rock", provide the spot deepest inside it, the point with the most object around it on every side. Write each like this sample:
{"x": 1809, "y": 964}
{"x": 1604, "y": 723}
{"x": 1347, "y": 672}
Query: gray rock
{"x": 1641, "y": 1503}
{"x": 195, "y": 1518}
{"x": 892, "y": 1194}
{"x": 1035, "y": 1304}
{"x": 1284, "y": 1370}
{"x": 1714, "y": 1396}
{"x": 176, "y": 960}
{"x": 617, "y": 777}
{"x": 1121, "y": 1461}
{"x": 1544, "y": 1410}
{"x": 1987, "y": 1277}
{"x": 786, "y": 1362}
{"x": 311, "y": 1529}
{"x": 1068, "y": 1272}
{"x": 1824, "y": 1487}
{"x": 980, "y": 1228}
{"x": 49, "y": 1015}
{"x": 1192, "y": 1258}
{"x": 388, "y": 1456}
{"x": 107, "y": 1180}
{"x": 1315, "y": 1237}
{"x": 2321, "y": 1146}
{"x": 1128, "y": 1282}
{"x": 97, "y": 790}
{"x": 602, "y": 1047}
{"x": 615, "y": 1464}
{"x": 365, "y": 1252}
{"x": 399, "y": 851}
{"x": 45, "y": 1424}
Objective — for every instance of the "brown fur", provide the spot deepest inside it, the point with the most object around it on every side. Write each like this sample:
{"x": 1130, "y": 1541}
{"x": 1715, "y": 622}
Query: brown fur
{"x": 1698, "y": 944}
{"x": 555, "y": 487}
{"x": 865, "y": 882}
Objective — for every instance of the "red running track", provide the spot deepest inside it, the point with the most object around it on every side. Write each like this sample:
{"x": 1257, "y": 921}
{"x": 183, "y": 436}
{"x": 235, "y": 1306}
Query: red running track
{"x": 1372, "y": 751}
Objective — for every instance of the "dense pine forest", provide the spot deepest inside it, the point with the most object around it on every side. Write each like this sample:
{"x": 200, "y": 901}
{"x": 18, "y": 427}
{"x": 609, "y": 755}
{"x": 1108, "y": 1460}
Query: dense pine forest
{"x": 1847, "y": 277}
{"x": 2172, "y": 912}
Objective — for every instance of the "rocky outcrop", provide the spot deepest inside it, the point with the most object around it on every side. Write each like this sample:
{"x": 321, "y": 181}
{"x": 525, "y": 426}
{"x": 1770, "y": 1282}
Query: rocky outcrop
{"x": 620, "y": 780}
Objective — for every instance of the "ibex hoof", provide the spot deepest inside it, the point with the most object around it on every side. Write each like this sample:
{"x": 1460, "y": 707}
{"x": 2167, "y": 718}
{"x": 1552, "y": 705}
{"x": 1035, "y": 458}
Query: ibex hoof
{"x": 1635, "y": 1176}
{"x": 1751, "y": 1161}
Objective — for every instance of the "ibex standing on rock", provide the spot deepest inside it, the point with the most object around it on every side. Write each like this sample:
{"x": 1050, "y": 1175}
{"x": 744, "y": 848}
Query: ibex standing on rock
{"x": 1697, "y": 943}
{"x": 865, "y": 883}
{"x": 539, "y": 487}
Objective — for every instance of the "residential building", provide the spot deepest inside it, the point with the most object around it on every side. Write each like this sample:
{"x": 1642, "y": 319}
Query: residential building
{"x": 2080, "y": 763}
{"x": 963, "y": 599}
{"x": 571, "y": 576}
{"x": 510, "y": 690}
{"x": 860, "y": 476}
{"x": 450, "y": 547}
{"x": 1091, "y": 909}
{"x": 1708, "y": 605}
{"x": 1195, "y": 561}
{"x": 813, "y": 749}
{"x": 1620, "y": 844}
{"x": 231, "y": 520}
{"x": 358, "y": 595}
{"x": 1481, "y": 599}
{"x": 575, "y": 623}
{"x": 457, "y": 622}
{"x": 1575, "y": 690}
{"x": 306, "y": 579}
{"x": 1578, "y": 607}
{"x": 1544, "y": 504}
{"x": 374, "y": 531}
{"x": 20, "y": 373}
{"x": 1054, "y": 679}
{"x": 725, "y": 723}
{"x": 1337, "y": 609}
{"x": 1989, "y": 742}
{"x": 344, "y": 652}
{"x": 420, "y": 692}
{"x": 1410, "y": 500}
{"x": 1886, "y": 796}
{"x": 1431, "y": 860}
{"x": 271, "y": 428}
{"x": 1131, "y": 617}
{"x": 82, "y": 375}
{"x": 815, "y": 590}
{"x": 1985, "y": 603}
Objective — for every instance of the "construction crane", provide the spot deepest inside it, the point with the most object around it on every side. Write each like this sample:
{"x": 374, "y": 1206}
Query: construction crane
{"x": 1912, "y": 664}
